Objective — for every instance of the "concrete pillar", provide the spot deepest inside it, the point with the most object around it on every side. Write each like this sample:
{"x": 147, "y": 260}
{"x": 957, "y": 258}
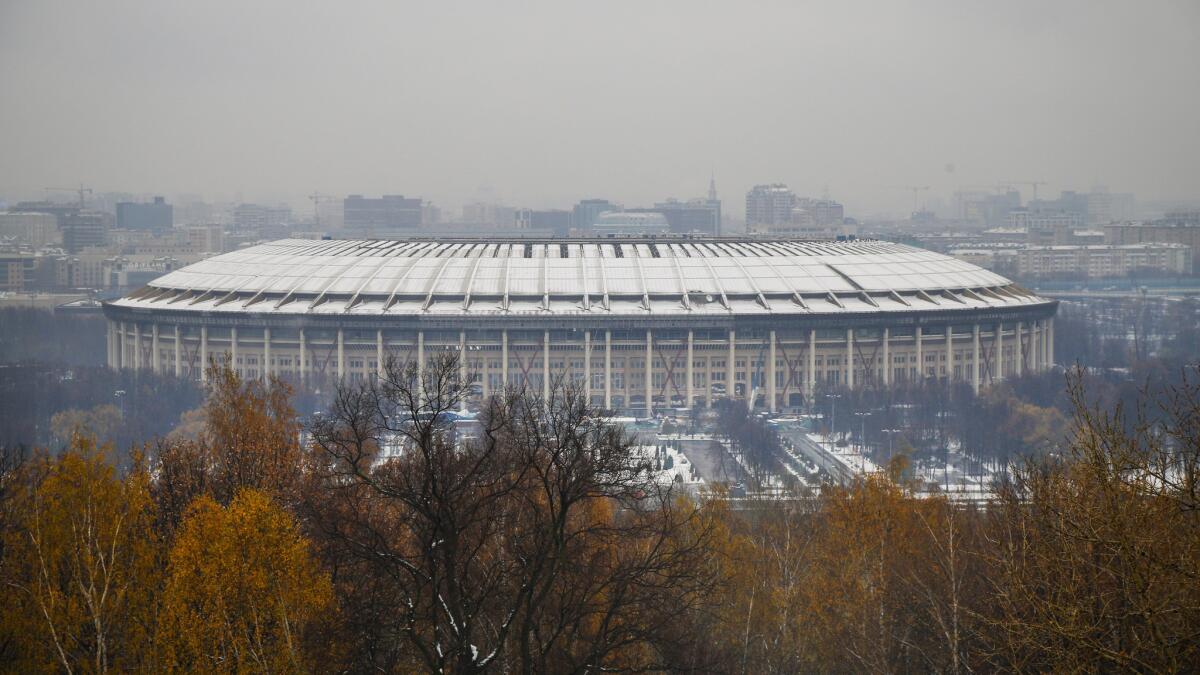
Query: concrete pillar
{"x": 812, "y": 365}
{"x": 771, "y": 373}
{"x": 975, "y": 358}
{"x": 154, "y": 361}
{"x": 950, "y": 355}
{"x": 608, "y": 370}
{"x": 266, "y": 369}
{"x": 691, "y": 374}
{"x": 1050, "y": 342}
{"x": 137, "y": 347}
{"x": 380, "y": 357}
{"x": 887, "y": 357}
{"x": 587, "y": 366}
{"x": 649, "y": 374}
{"x": 233, "y": 342}
{"x": 1020, "y": 354}
{"x": 546, "y": 366}
{"x": 462, "y": 360}
{"x": 504, "y": 358}
{"x": 420, "y": 359}
{"x": 341, "y": 354}
{"x": 730, "y": 371}
{"x": 999, "y": 342}
{"x": 920, "y": 355}
{"x": 850, "y": 358}
{"x": 203, "y": 353}
{"x": 178, "y": 352}
{"x": 303, "y": 357}
{"x": 485, "y": 388}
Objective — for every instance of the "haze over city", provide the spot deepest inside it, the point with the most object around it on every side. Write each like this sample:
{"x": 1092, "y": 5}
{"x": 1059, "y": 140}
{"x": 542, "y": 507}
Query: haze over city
{"x": 578, "y": 337}
{"x": 541, "y": 104}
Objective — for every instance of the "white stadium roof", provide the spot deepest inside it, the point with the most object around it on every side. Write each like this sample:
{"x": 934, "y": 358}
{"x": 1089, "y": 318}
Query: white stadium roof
{"x": 640, "y": 277}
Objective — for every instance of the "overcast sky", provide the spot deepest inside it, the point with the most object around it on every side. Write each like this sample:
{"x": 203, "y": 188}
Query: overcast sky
{"x": 540, "y": 104}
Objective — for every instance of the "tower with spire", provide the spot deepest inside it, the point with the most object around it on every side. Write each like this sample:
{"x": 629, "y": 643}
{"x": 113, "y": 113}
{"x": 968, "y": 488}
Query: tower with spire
{"x": 714, "y": 202}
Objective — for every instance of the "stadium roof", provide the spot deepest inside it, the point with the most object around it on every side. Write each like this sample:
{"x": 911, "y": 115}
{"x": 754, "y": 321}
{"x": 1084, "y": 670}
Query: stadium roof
{"x": 598, "y": 277}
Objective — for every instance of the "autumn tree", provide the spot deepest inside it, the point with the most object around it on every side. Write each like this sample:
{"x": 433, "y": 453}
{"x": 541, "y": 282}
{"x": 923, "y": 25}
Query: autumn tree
{"x": 1094, "y": 555}
{"x": 545, "y": 544}
{"x": 242, "y": 590}
{"x": 80, "y": 565}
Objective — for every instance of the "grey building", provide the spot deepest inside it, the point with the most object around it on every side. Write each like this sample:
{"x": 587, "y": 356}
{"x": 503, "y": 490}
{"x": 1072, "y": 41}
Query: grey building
{"x": 555, "y": 221}
{"x": 587, "y": 211}
{"x": 767, "y": 206}
{"x": 157, "y": 216}
{"x": 84, "y": 229}
{"x": 386, "y": 215}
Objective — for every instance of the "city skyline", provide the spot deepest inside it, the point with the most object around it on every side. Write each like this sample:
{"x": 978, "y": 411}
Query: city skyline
{"x": 536, "y": 109}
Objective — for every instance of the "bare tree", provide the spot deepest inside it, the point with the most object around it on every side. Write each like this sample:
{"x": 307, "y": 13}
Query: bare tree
{"x": 544, "y": 544}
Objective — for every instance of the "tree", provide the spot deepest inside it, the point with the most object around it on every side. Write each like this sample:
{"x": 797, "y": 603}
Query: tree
{"x": 243, "y": 588}
{"x": 80, "y": 565}
{"x": 543, "y": 545}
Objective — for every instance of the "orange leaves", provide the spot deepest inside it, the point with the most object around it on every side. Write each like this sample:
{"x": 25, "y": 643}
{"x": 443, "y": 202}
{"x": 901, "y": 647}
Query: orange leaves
{"x": 242, "y": 588}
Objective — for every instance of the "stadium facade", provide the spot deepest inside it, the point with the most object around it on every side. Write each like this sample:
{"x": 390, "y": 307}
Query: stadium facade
{"x": 645, "y": 323}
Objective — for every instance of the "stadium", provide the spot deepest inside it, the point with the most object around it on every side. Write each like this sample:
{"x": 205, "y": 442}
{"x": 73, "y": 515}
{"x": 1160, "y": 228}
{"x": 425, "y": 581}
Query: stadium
{"x": 644, "y": 323}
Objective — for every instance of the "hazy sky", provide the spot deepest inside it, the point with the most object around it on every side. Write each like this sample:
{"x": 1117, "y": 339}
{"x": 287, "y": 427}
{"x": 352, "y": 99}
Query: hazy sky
{"x": 543, "y": 103}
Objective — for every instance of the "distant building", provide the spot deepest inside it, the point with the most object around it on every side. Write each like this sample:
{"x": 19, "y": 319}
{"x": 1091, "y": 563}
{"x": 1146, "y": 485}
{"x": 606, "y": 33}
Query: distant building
{"x": 488, "y": 215}
{"x": 1166, "y": 231}
{"x": 555, "y": 221}
{"x": 768, "y": 207}
{"x": 1103, "y": 261}
{"x": 629, "y": 223}
{"x": 157, "y": 216}
{"x": 820, "y": 212}
{"x": 84, "y": 229}
{"x": 259, "y": 217}
{"x": 33, "y": 229}
{"x": 587, "y": 211}
{"x": 1045, "y": 227}
{"x": 986, "y": 208}
{"x": 18, "y": 271}
{"x": 695, "y": 216}
{"x": 388, "y": 215}
{"x": 206, "y": 238}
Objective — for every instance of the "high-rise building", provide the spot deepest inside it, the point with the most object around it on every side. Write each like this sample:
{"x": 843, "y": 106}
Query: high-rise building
{"x": 157, "y": 216}
{"x": 384, "y": 216}
{"x": 259, "y": 217}
{"x": 31, "y": 228}
{"x": 587, "y": 211}
{"x": 694, "y": 216}
{"x": 84, "y": 229}
{"x": 767, "y": 206}
{"x": 555, "y": 221}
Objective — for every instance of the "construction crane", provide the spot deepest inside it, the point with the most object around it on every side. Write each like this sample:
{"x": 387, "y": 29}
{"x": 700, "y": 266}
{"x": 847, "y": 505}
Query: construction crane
{"x": 1034, "y": 183}
{"x": 916, "y": 190}
{"x": 81, "y": 191}
{"x": 316, "y": 199}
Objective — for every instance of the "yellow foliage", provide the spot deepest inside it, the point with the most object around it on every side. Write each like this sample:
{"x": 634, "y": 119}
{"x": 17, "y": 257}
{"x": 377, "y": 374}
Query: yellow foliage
{"x": 242, "y": 587}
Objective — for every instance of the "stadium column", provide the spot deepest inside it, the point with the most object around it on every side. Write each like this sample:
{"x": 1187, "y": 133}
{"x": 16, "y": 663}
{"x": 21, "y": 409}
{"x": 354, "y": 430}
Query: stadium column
{"x": 849, "y": 358}
{"x": 266, "y": 369}
{"x": 920, "y": 355}
{"x": 233, "y": 349}
{"x": 999, "y": 344}
{"x": 730, "y": 372}
{"x": 178, "y": 352}
{"x": 137, "y": 346}
{"x": 1050, "y": 342}
{"x": 812, "y": 364}
{"x": 771, "y": 374}
{"x": 887, "y": 360}
{"x": 649, "y": 374}
{"x": 691, "y": 374}
{"x": 204, "y": 353}
{"x": 608, "y": 370}
{"x": 546, "y": 367}
{"x": 341, "y": 354}
{"x": 949, "y": 356}
{"x": 379, "y": 356}
{"x": 462, "y": 365}
{"x": 1019, "y": 353}
{"x": 420, "y": 361}
{"x": 975, "y": 358}
{"x": 154, "y": 365}
{"x": 504, "y": 358}
{"x": 303, "y": 357}
{"x": 587, "y": 366}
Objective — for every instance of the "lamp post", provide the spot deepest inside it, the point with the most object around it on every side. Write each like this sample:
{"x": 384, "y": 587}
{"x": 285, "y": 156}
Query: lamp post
{"x": 833, "y": 412}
